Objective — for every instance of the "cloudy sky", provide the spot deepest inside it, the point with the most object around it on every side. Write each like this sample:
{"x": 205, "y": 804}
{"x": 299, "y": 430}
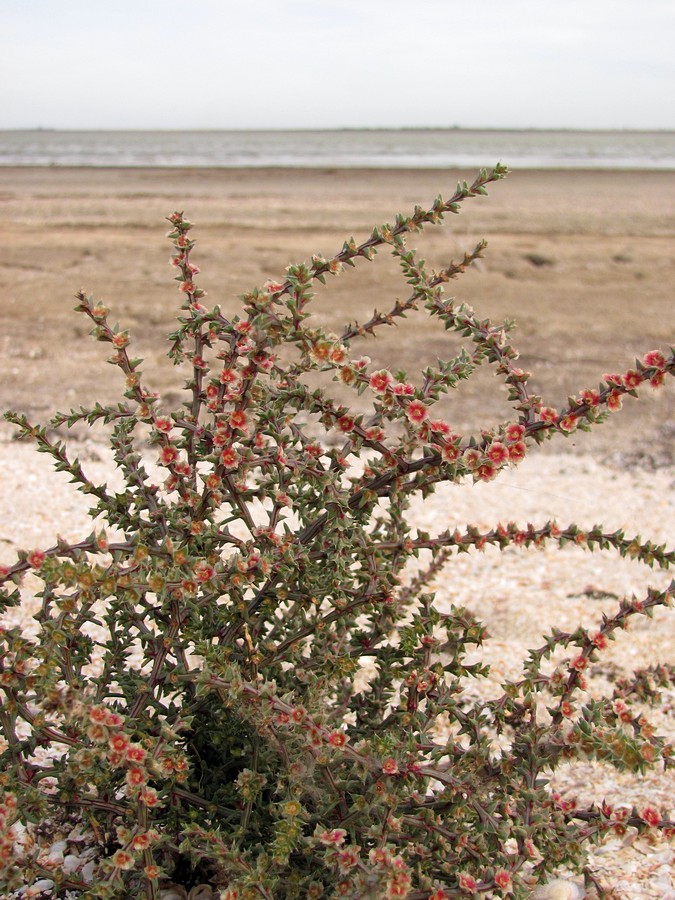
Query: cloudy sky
{"x": 337, "y": 63}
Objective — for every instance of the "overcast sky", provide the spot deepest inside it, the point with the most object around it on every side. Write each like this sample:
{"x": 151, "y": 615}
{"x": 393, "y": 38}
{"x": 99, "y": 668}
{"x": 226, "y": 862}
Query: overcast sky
{"x": 337, "y": 63}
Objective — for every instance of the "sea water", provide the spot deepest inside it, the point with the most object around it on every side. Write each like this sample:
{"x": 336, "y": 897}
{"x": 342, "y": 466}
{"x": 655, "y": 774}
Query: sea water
{"x": 395, "y": 148}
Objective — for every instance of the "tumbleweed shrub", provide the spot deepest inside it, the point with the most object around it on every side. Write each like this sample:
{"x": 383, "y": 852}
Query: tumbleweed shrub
{"x": 195, "y": 697}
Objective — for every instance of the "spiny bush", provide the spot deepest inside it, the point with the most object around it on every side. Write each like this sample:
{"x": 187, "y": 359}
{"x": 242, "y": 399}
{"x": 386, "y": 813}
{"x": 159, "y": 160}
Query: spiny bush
{"x": 191, "y": 694}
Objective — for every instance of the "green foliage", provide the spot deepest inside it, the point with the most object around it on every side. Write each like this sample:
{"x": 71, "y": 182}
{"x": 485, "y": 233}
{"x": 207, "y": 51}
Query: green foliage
{"x": 194, "y": 678}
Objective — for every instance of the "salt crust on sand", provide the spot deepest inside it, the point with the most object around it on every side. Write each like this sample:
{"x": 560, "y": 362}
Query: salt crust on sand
{"x": 518, "y": 594}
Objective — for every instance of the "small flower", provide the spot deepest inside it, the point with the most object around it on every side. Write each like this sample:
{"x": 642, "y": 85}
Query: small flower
{"x": 239, "y": 420}
{"x": 390, "y": 766}
{"x": 517, "y": 451}
{"x": 579, "y": 663}
{"x": 337, "y": 739}
{"x": 614, "y": 401}
{"x": 121, "y": 859}
{"x": 168, "y": 455}
{"x": 35, "y": 559}
{"x": 503, "y": 879}
{"x": 136, "y": 776}
{"x": 568, "y": 423}
{"x": 497, "y": 453}
{"x": 467, "y": 882}
{"x": 380, "y": 381}
{"x": 403, "y": 390}
{"x": 120, "y": 340}
{"x": 229, "y": 458}
{"x": 136, "y": 753}
{"x": 450, "y": 452}
{"x": 486, "y": 472}
{"x": 152, "y": 872}
{"x": 345, "y": 424}
{"x": 149, "y": 796}
{"x": 347, "y": 859}
{"x": 514, "y": 432}
{"x": 590, "y": 397}
{"x": 632, "y": 379}
{"x": 417, "y": 412}
{"x": 650, "y": 816}
{"x": 333, "y": 838}
{"x": 375, "y": 433}
{"x": 566, "y": 709}
{"x": 548, "y": 414}
{"x": 472, "y": 458}
{"x": 346, "y": 375}
{"x": 600, "y": 640}
{"x": 655, "y": 358}
{"x": 119, "y": 742}
{"x": 141, "y": 841}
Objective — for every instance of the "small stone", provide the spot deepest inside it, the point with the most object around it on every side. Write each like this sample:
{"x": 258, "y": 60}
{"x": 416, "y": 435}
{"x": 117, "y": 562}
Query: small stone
{"x": 558, "y": 889}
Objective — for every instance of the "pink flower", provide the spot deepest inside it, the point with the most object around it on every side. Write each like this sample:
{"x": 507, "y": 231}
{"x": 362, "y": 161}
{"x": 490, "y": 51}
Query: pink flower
{"x": 503, "y": 879}
{"x": 438, "y": 426}
{"x": 417, "y": 412}
{"x": 390, "y": 766}
{"x": 229, "y": 458}
{"x": 650, "y": 816}
{"x": 380, "y": 381}
{"x": 450, "y": 452}
{"x": 568, "y": 423}
{"x": 136, "y": 776}
{"x": 203, "y": 571}
{"x": 486, "y": 472}
{"x": 497, "y": 453}
{"x": 655, "y": 358}
{"x": 517, "y": 451}
{"x": 36, "y": 558}
{"x": 632, "y": 379}
{"x": 403, "y": 390}
{"x": 119, "y": 742}
{"x": 347, "y": 859}
{"x": 239, "y": 420}
{"x": 514, "y": 432}
{"x": 168, "y": 455}
{"x": 333, "y": 838}
{"x": 614, "y": 401}
{"x": 345, "y": 424}
{"x": 467, "y": 882}
{"x": 136, "y": 753}
{"x": 337, "y": 739}
{"x": 149, "y": 796}
{"x": 592, "y": 398}
{"x": 548, "y": 414}
{"x": 229, "y": 376}
{"x": 472, "y": 457}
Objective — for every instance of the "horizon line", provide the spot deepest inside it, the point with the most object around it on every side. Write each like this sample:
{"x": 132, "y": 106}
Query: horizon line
{"x": 349, "y": 128}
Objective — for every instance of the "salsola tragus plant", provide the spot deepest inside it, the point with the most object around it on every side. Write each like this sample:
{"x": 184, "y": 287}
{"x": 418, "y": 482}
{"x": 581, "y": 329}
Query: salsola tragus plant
{"x": 190, "y": 696}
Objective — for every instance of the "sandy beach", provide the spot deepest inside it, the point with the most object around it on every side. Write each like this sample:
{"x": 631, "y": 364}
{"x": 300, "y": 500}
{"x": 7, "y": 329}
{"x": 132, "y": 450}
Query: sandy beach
{"x": 583, "y": 261}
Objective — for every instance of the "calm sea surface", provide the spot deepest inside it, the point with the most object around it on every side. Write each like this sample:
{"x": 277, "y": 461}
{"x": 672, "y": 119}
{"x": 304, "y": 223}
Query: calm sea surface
{"x": 426, "y": 148}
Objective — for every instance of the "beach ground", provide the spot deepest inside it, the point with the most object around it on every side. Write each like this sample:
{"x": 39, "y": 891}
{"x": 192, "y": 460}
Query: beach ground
{"x": 582, "y": 261}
